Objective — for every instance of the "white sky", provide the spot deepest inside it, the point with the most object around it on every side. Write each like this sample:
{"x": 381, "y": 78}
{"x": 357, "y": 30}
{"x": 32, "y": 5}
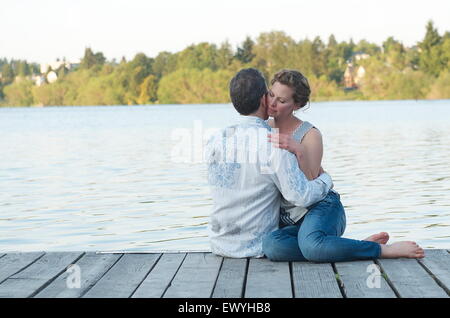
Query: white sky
{"x": 43, "y": 30}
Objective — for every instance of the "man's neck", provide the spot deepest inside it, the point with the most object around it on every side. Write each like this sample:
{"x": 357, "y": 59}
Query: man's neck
{"x": 258, "y": 114}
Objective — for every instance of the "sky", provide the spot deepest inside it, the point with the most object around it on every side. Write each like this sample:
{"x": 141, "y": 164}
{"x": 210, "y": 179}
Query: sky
{"x": 42, "y": 30}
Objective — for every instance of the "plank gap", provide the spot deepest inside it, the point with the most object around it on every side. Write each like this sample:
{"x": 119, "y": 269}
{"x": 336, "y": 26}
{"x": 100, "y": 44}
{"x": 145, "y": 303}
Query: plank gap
{"x": 148, "y": 273}
{"x": 441, "y": 284}
{"x": 91, "y": 286}
{"x": 339, "y": 281}
{"x": 291, "y": 276}
{"x": 217, "y": 277}
{"x": 386, "y": 277}
{"x": 23, "y": 268}
{"x": 176, "y": 272}
{"x": 245, "y": 278}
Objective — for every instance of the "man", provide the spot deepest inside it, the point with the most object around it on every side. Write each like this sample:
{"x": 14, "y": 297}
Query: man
{"x": 247, "y": 175}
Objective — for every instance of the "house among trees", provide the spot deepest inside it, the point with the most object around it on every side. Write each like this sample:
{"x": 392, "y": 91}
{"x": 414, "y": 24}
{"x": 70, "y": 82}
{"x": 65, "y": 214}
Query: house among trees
{"x": 56, "y": 65}
{"x": 349, "y": 81}
{"x": 51, "y": 71}
{"x": 38, "y": 79}
{"x": 52, "y": 77}
{"x": 360, "y": 56}
{"x": 353, "y": 78}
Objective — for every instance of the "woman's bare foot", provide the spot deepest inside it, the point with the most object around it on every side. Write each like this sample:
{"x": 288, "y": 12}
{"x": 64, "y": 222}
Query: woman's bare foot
{"x": 406, "y": 249}
{"x": 381, "y": 238}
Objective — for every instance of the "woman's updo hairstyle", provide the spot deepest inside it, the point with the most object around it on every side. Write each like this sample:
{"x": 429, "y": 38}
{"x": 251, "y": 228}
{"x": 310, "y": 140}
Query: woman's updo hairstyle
{"x": 298, "y": 82}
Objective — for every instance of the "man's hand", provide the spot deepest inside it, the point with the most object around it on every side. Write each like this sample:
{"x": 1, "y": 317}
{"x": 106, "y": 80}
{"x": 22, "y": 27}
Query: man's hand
{"x": 284, "y": 141}
{"x": 321, "y": 170}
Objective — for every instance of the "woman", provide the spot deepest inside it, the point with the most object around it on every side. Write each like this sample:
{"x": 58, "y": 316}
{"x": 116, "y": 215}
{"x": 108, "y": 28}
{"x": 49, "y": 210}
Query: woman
{"x": 314, "y": 234}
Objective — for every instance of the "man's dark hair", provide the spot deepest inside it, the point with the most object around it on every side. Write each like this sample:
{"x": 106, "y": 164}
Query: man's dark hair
{"x": 246, "y": 89}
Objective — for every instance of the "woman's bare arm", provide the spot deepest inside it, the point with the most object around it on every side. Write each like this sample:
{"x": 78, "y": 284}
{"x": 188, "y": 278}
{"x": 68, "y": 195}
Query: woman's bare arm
{"x": 309, "y": 154}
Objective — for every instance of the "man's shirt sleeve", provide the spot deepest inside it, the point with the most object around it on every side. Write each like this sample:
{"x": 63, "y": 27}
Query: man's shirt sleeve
{"x": 292, "y": 182}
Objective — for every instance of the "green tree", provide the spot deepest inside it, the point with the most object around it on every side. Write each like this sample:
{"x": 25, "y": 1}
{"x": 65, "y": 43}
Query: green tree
{"x": 187, "y": 86}
{"x": 431, "y": 56}
{"x": 19, "y": 93}
{"x": 440, "y": 89}
{"x": 319, "y": 63}
{"x": 244, "y": 53}
{"x": 7, "y": 74}
{"x": 274, "y": 51}
{"x": 90, "y": 59}
{"x": 165, "y": 63}
{"x": 323, "y": 89}
{"x": 133, "y": 74}
{"x": 367, "y": 47}
{"x": 140, "y": 67}
{"x": 446, "y": 51}
{"x": 23, "y": 69}
{"x": 148, "y": 90}
{"x": 334, "y": 60}
{"x": 224, "y": 56}
{"x": 50, "y": 94}
{"x": 394, "y": 53}
{"x": 198, "y": 56}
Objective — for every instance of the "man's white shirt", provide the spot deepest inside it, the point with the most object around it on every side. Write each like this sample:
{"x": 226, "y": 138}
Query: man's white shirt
{"x": 247, "y": 177}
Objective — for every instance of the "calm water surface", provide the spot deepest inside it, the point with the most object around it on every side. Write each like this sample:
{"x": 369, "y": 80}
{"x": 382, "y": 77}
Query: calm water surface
{"x": 104, "y": 178}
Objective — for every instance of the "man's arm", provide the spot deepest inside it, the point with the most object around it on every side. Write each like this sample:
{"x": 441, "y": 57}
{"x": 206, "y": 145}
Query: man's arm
{"x": 292, "y": 182}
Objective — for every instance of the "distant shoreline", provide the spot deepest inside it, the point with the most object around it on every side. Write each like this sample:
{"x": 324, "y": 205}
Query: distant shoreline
{"x": 324, "y": 100}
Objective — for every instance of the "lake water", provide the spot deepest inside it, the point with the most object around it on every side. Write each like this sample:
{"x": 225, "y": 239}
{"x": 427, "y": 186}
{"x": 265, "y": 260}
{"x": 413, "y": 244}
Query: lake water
{"x": 105, "y": 178}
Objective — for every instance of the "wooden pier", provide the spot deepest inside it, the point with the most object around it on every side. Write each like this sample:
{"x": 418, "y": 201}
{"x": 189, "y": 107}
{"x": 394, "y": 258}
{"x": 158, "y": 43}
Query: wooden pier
{"x": 204, "y": 275}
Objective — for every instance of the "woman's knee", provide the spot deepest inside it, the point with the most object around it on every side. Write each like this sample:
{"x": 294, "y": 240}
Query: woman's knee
{"x": 311, "y": 246}
{"x": 272, "y": 246}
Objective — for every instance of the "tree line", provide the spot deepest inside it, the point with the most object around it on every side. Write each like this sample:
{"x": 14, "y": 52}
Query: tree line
{"x": 201, "y": 72}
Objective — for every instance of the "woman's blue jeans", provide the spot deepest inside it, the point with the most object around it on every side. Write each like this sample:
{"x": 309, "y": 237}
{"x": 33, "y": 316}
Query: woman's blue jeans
{"x": 316, "y": 237}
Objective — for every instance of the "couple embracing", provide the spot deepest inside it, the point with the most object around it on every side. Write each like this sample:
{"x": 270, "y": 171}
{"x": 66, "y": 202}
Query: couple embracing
{"x": 271, "y": 196}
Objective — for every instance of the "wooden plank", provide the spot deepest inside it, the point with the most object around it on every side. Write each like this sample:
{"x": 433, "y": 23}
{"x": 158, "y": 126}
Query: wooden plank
{"x": 196, "y": 276}
{"x": 156, "y": 283}
{"x": 438, "y": 263}
{"x": 11, "y": 263}
{"x": 230, "y": 283}
{"x": 410, "y": 279}
{"x": 29, "y": 281}
{"x": 267, "y": 279}
{"x": 91, "y": 268}
{"x": 314, "y": 280}
{"x": 124, "y": 277}
{"x": 363, "y": 279}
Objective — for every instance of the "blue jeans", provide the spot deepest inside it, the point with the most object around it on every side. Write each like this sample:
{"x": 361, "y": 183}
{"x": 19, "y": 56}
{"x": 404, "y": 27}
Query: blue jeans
{"x": 316, "y": 237}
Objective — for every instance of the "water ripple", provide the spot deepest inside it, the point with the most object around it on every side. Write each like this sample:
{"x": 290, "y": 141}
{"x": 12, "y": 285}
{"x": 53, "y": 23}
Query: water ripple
{"x": 72, "y": 180}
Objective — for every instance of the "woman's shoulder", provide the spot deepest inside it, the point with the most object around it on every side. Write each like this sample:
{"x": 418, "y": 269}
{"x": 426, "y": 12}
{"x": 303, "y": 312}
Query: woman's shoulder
{"x": 313, "y": 135}
{"x": 306, "y": 131}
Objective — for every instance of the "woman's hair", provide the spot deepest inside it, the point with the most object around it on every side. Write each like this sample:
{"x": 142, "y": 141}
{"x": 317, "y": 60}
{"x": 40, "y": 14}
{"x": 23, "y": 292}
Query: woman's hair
{"x": 298, "y": 82}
